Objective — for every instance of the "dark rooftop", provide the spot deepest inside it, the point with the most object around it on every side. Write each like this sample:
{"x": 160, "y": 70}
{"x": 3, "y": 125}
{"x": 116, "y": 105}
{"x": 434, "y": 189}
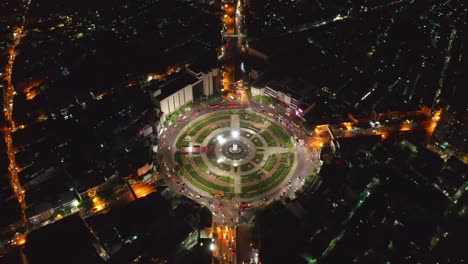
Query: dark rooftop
{"x": 204, "y": 63}
{"x": 65, "y": 241}
{"x": 172, "y": 86}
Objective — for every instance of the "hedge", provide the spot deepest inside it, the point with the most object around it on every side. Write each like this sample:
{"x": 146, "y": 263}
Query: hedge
{"x": 252, "y": 176}
{"x": 280, "y": 134}
{"x": 225, "y": 179}
{"x": 270, "y": 163}
{"x": 269, "y": 139}
{"x": 196, "y": 177}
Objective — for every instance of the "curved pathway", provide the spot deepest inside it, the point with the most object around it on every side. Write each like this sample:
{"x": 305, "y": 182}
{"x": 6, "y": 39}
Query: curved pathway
{"x": 235, "y": 125}
{"x": 304, "y": 160}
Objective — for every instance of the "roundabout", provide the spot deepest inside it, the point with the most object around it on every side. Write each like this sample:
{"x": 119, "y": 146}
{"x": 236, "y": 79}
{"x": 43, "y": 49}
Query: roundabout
{"x": 234, "y": 155}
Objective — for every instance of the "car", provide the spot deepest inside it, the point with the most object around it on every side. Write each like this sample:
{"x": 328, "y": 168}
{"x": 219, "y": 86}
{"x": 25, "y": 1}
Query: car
{"x": 244, "y": 206}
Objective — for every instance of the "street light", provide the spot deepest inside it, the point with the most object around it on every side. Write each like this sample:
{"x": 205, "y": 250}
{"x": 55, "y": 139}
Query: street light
{"x": 220, "y": 139}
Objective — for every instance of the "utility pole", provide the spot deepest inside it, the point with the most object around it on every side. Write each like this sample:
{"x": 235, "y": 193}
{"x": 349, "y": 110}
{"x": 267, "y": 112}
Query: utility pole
{"x": 127, "y": 182}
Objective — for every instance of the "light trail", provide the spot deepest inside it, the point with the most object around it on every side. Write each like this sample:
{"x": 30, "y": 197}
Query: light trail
{"x": 8, "y": 100}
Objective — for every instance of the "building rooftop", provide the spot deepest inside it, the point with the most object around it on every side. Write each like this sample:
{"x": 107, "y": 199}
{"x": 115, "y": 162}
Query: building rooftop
{"x": 67, "y": 240}
{"x": 175, "y": 84}
{"x": 260, "y": 83}
{"x": 204, "y": 63}
{"x": 282, "y": 86}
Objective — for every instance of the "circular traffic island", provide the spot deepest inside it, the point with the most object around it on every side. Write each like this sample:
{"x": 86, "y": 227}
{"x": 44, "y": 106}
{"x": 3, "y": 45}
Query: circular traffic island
{"x": 230, "y": 154}
{"x": 235, "y": 150}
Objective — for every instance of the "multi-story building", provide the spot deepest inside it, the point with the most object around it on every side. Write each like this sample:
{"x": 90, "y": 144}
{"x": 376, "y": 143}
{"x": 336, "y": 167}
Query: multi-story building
{"x": 173, "y": 95}
{"x": 282, "y": 93}
{"x": 208, "y": 76}
{"x": 182, "y": 89}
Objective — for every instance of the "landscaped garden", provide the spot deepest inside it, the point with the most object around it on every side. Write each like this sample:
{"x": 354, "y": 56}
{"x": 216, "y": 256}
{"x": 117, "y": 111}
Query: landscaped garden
{"x": 252, "y": 161}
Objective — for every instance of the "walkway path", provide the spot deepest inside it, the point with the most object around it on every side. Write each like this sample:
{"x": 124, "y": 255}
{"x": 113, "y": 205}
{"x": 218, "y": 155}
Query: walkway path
{"x": 275, "y": 150}
{"x": 235, "y": 125}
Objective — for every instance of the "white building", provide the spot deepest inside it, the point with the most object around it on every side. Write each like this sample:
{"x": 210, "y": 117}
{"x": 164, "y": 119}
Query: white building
{"x": 286, "y": 96}
{"x": 208, "y": 76}
{"x": 174, "y": 94}
{"x": 183, "y": 89}
{"x": 257, "y": 90}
